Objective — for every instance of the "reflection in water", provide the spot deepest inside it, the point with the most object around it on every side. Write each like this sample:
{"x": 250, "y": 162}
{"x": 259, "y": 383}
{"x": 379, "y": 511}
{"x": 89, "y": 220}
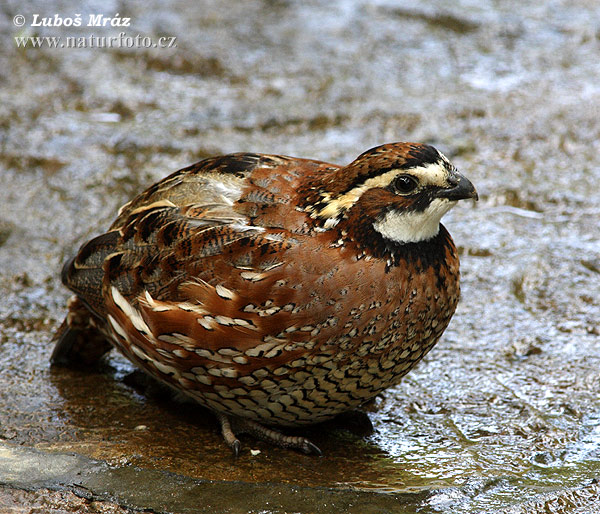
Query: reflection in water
{"x": 140, "y": 418}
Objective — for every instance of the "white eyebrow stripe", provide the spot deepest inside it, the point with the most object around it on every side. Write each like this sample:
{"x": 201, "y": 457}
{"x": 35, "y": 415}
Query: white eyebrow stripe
{"x": 433, "y": 173}
{"x": 348, "y": 199}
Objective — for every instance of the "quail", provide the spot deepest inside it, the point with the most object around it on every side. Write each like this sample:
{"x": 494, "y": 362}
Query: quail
{"x": 275, "y": 291}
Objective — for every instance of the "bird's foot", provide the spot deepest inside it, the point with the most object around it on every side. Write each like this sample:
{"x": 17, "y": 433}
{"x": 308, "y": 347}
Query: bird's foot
{"x": 263, "y": 433}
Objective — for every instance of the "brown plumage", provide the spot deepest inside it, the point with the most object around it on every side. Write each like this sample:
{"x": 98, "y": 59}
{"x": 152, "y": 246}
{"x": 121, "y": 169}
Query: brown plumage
{"x": 273, "y": 289}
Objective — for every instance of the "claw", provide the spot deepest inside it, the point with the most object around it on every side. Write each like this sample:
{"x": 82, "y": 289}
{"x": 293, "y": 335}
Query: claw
{"x": 265, "y": 434}
{"x": 235, "y": 448}
{"x": 232, "y": 441}
{"x": 310, "y": 448}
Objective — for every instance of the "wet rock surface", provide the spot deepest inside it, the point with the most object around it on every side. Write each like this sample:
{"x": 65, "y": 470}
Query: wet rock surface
{"x": 503, "y": 415}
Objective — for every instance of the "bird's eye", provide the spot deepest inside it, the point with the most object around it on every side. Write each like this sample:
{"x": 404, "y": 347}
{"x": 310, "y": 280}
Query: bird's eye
{"x": 405, "y": 184}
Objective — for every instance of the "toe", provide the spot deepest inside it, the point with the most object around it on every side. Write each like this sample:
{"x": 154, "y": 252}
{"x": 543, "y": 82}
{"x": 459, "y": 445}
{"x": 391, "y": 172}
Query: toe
{"x": 235, "y": 448}
{"x": 309, "y": 448}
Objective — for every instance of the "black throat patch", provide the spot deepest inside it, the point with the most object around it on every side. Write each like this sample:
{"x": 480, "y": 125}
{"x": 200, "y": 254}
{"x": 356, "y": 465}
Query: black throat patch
{"x": 431, "y": 253}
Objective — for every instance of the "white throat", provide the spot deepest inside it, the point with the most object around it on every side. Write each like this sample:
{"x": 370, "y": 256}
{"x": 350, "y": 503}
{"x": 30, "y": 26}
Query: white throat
{"x": 412, "y": 227}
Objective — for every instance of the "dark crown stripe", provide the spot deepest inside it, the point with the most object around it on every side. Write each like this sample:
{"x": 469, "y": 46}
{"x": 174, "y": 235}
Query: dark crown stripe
{"x": 419, "y": 155}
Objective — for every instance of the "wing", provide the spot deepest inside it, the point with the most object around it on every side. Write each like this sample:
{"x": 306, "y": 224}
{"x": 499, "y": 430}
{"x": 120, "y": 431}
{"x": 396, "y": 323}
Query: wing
{"x": 167, "y": 234}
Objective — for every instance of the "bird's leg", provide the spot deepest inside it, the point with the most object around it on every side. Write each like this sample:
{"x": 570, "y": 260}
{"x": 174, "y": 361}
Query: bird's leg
{"x": 232, "y": 441}
{"x": 276, "y": 438}
{"x": 264, "y": 434}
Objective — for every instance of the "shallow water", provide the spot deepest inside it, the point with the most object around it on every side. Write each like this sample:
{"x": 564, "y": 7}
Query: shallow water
{"x": 504, "y": 414}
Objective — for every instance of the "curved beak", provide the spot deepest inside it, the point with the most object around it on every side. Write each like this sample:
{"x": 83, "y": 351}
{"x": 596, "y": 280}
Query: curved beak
{"x": 460, "y": 188}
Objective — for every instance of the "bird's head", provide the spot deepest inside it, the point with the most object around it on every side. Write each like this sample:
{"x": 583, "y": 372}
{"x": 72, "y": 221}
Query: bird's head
{"x": 400, "y": 190}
